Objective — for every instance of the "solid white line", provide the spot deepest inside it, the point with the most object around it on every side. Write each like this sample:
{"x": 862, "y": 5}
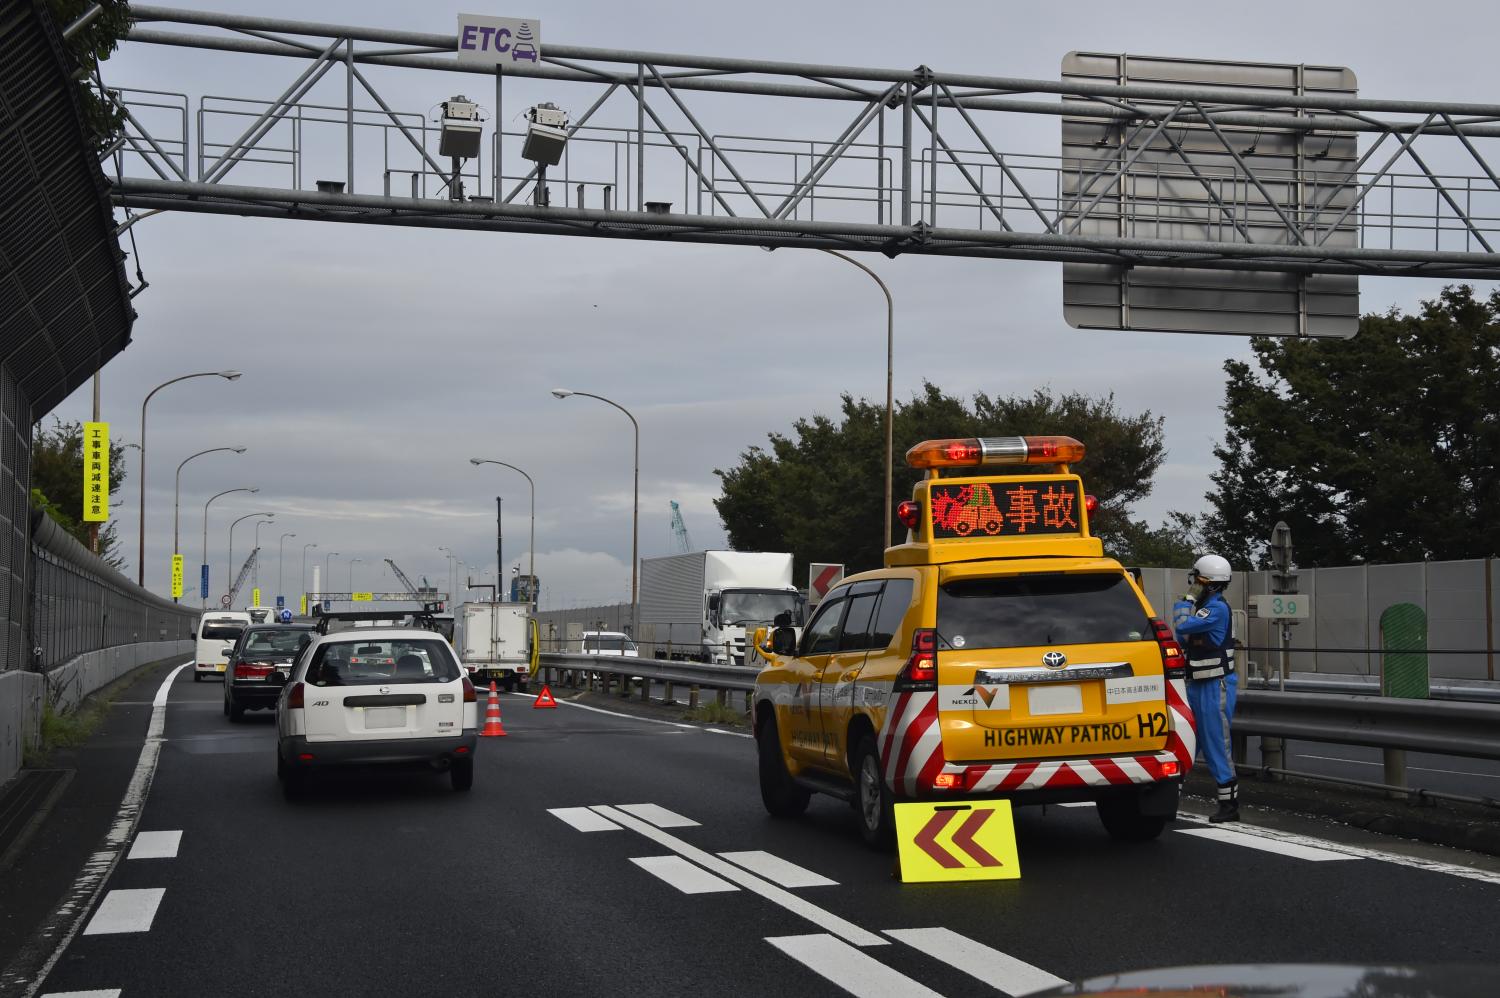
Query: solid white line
{"x": 1414, "y": 769}
{"x": 803, "y": 909}
{"x": 1078, "y": 803}
{"x": 1361, "y": 852}
{"x": 856, "y": 972}
{"x": 684, "y": 876}
{"x": 778, "y": 870}
{"x": 155, "y": 845}
{"x": 658, "y": 816}
{"x": 721, "y": 731}
{"x": 615, "y": 713}
{"x": 111, "y": 993}
{"x": 583, "y": 819}
{"x": 89, "y": 883}
{"x": 1294, "y": 850}
{"x": 1000, "y": 971}
{"x": 126, "y": 911}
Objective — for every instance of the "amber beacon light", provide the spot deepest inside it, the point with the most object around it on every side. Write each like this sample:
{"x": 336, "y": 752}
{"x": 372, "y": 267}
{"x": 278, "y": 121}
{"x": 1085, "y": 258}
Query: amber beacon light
{"x": 983, "y": 451}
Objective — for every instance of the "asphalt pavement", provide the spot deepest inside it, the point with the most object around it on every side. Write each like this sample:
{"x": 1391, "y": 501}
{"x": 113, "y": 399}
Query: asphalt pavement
{"x": 602, "y": 853}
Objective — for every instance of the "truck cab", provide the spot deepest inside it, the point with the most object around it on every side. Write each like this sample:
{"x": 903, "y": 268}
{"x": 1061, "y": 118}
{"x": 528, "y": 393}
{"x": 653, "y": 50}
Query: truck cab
{"x": 997, "y": 653}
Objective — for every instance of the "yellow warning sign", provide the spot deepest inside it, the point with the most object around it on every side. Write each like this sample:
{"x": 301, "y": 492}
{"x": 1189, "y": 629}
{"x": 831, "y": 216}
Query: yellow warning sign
{"x": 304, "y": 604}
{"x": 362, "y": 597}
{"x": 975, "y": 840}
{"x": 255, "y": 596}
{"x": 176, "y": 576}
{"x": 95, "y": 472}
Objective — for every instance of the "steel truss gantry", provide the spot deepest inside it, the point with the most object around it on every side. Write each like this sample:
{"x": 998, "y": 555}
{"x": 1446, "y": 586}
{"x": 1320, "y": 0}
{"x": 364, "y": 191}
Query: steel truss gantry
{"x": 907, "y": 161}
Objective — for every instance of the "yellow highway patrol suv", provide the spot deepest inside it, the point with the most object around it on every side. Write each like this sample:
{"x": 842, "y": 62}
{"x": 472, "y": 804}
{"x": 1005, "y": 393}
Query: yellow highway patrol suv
{"x": 997, "y": 654}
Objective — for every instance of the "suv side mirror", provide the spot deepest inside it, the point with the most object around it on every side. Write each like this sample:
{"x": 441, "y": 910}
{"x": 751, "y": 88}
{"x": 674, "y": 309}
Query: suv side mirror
{"x": 784, "y": 641}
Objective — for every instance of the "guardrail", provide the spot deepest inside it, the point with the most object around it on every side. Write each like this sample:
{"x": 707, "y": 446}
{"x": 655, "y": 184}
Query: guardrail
{"x": 589, "y": 671}
{"x": 1473, "y": 690}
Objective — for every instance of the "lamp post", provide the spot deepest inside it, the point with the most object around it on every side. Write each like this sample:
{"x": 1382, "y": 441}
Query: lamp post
{"x": 204, "y": 599}
{"x": 635, "y": 516}
{"x": 140, "y": 568}
{"x": 452, "y": 584}
{"x": 476, "y": 462}
{"x": 327, "y": 562}
{"x": 279, "y": 573}
{"x": 177, "y": 496}
{"x": 231, "y": 541}
{"x": 302, "y": 579}
{"x": 255, "y": 573}
{"x": 890, "y": 361}
{"x": 351, "y": 572}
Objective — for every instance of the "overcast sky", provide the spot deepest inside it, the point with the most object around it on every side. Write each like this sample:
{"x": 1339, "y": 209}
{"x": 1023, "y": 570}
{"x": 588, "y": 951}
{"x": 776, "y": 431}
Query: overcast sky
{"x": 378, "y": 360}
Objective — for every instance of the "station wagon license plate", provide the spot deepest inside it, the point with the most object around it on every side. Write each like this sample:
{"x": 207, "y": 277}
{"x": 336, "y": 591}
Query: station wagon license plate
{"x": 385, "y": 717}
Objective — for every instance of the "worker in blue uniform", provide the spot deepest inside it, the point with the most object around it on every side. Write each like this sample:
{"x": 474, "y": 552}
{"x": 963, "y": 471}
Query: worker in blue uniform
{"x": 1204, "y": 628}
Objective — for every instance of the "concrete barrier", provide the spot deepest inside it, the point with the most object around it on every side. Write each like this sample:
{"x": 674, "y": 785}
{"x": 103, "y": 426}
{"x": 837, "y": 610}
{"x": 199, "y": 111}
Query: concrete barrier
{"x": 21, "y": 697}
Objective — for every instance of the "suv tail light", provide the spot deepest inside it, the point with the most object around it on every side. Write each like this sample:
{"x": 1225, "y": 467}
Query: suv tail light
{"x": 470, "y": 696}
{"x": 294, "y": 697}
{"x": 1173, "y": 661}
{"x": 253, "y": 670}
{"x": 920, "y": 671}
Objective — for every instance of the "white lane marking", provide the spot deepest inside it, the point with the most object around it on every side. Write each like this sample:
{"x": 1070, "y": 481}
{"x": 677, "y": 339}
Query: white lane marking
{"x": 778, "y": 870}
{"x": 1078, "y": 803}
{"x": 1295, "y": 850}
{"x": 684, "y": 876}
{"x": 658, "y": 815}
{"x": 65, "y": 922}
{"x": 110, "y": 993}
{"x": 155, "y": 845}
{"x": 1000, "y": 971}
{"x": 1362, "y": 852}
{"x": 583, "y": 819}
{"x": 1414, "y": 769}
{"x": 856, "y": 972}
{"x": 825, "y": 920}
{"x": 614, "y": 713}
{"x": 126, "y": 911}
{"x": 721, "y": 731}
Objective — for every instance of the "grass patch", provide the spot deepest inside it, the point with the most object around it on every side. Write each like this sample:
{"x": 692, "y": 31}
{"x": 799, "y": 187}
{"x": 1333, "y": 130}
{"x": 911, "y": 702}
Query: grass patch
{"x": 73, "y": 728}
{"x": 714, "y": 712}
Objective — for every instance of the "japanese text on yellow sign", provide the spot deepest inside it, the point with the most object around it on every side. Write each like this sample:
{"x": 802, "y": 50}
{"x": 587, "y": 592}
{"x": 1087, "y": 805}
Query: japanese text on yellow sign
{"x": 972, "y": 841}
{"x": 304, "y": 604}
{"x": 255, "y": 596}
{"x": 362, "y": 597}
{"x": 176, "y": 576}
{"x": 95, "y": 472}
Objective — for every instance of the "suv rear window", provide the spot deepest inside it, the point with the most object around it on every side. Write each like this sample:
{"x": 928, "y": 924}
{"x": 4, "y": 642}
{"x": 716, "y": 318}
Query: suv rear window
{"x": 1022, "y": 611}
{"x": 387, "y": 662}
{"x": 222, "y": 632}
{"x": 287, "y": 641}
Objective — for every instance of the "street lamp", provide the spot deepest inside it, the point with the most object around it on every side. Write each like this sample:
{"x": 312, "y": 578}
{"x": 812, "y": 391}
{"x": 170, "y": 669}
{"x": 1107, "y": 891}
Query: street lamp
{"x": 279, "y": 573}
{"x": 531, "y": 586}
{"x": 890, "y": 361}
{"x": 140, "y": 568}
{"x": 351, "y": 572}
{"x": 635, "y": 517}
{"x": 327, "y": 558}
{"x": 177, "y": 495}
{"x": 256, "y": 573}
{"x": 452, "y": 585}
{"x": 231, "y": 541}
{"x": 302, "y": 579}
{"x": 204, "y": 599}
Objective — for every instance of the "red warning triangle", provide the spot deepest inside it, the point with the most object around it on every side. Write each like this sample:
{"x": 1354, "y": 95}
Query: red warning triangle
{"x": 544, "y": 699}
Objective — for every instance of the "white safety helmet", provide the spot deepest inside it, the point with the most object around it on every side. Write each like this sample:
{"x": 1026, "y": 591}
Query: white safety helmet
{"x": 1211, "y": 568}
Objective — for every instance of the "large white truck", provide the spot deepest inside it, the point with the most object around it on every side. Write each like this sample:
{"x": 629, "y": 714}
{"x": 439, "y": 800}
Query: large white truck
{"x": 496, "y": 641}
{"x": 699, "y": 605}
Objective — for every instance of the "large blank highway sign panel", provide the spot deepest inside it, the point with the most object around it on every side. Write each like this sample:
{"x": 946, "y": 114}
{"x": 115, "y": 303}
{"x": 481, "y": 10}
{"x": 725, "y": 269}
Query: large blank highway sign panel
{"x": 1186, "y": 185}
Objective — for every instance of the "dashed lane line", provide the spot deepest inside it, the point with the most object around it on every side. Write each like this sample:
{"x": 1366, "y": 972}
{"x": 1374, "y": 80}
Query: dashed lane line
{"x": 851, "y": 969}
{"x": 27, "y": 972}
{"x": 1000, "y": 971}
{"x": 684, "y": 876}
{"x": 1279, "y": 847}
{"x": 582, "y": 819}
{"x": 155, "y": 845}
{"x": 130, "y": 910}
{"x": 658, "y": 815}
{"x": 777, "y": 870}
{"x": 107, "y": 993}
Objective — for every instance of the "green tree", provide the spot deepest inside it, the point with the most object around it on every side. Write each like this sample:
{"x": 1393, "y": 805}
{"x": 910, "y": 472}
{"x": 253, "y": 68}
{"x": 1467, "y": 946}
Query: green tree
{"x": 57, "y": 482}
{"x": 818, "y": 491}
{"x": 1380, "y": 448}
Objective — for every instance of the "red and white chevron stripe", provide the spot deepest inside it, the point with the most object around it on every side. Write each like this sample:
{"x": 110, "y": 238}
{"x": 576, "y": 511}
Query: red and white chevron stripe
{"x": 911, "y": 749}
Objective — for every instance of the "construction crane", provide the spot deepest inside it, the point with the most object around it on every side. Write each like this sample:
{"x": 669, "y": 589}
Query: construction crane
{"x": 239, "y": 580}
{"x": 680, "y": 539}
{"x": 402, "y": 576}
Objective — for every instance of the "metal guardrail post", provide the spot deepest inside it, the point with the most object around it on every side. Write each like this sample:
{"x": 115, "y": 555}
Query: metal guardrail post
{"x": 1395, "y": 771}
{"x": 723, "y": 698}
{"x": 668, "y": 692}
{"x": 1272, "y": 755}
{"x": 693, "y": 697}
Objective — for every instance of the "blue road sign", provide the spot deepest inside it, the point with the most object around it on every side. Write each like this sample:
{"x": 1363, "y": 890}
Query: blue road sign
{"x": 203, "y": 582}
{"x": 286, "y": 615}
{"x": 280, "y": 602}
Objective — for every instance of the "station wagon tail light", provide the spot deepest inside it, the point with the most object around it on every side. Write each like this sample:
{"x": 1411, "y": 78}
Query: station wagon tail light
{"x": 470, "y": 696}
{"x": 920, "y": 673}
{"x": 1173, "y": 661}
{"x": 253, "y": 670}
{"x": 981, "y": 451}
{"x": 909, "y": 513}
{"x": 294, "y": 697}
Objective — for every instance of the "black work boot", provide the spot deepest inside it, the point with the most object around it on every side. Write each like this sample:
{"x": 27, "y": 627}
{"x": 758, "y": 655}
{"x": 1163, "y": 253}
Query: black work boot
{"x": 1229, "y": 804}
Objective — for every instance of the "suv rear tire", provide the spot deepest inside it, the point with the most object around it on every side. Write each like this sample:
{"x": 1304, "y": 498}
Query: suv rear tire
{"x": 1123, "y": 820}
{"x": 778, "y": 791}
{"x": 874, "y": 803}
{"x": 461, "y": 773}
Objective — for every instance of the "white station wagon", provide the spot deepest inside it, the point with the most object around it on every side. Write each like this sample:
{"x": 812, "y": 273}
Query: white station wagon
{"x": 375, "y": 696}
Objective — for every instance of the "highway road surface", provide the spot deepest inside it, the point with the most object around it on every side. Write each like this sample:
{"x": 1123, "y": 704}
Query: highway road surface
{"x": 606, "y": 854}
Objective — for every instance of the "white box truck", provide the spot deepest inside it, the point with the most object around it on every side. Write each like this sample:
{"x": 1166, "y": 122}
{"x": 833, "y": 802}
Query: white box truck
{"x": 495, "y": 641}
{"x": 699, "y": 605}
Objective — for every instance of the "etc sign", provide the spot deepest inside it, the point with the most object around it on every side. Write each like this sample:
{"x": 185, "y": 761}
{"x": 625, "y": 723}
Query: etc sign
{"x": 494, "y": 41}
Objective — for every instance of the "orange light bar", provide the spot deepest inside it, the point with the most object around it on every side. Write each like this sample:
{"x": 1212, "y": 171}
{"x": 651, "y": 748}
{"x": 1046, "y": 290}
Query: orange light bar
{"x": 982, "y": 451}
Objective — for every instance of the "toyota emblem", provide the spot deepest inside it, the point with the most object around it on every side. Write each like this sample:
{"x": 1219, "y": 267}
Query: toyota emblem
{"x": 1054, "y": 660}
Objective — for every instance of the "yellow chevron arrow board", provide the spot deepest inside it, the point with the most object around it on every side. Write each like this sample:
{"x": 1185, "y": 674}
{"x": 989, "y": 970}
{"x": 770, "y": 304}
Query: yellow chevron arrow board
{"x": 974, "y": 840}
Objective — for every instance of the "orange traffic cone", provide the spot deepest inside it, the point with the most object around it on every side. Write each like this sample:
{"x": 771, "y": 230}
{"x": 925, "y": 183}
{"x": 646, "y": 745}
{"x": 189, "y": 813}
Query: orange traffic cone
{"x": 544, "y": 699}
{"x": 492, "y": 726}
